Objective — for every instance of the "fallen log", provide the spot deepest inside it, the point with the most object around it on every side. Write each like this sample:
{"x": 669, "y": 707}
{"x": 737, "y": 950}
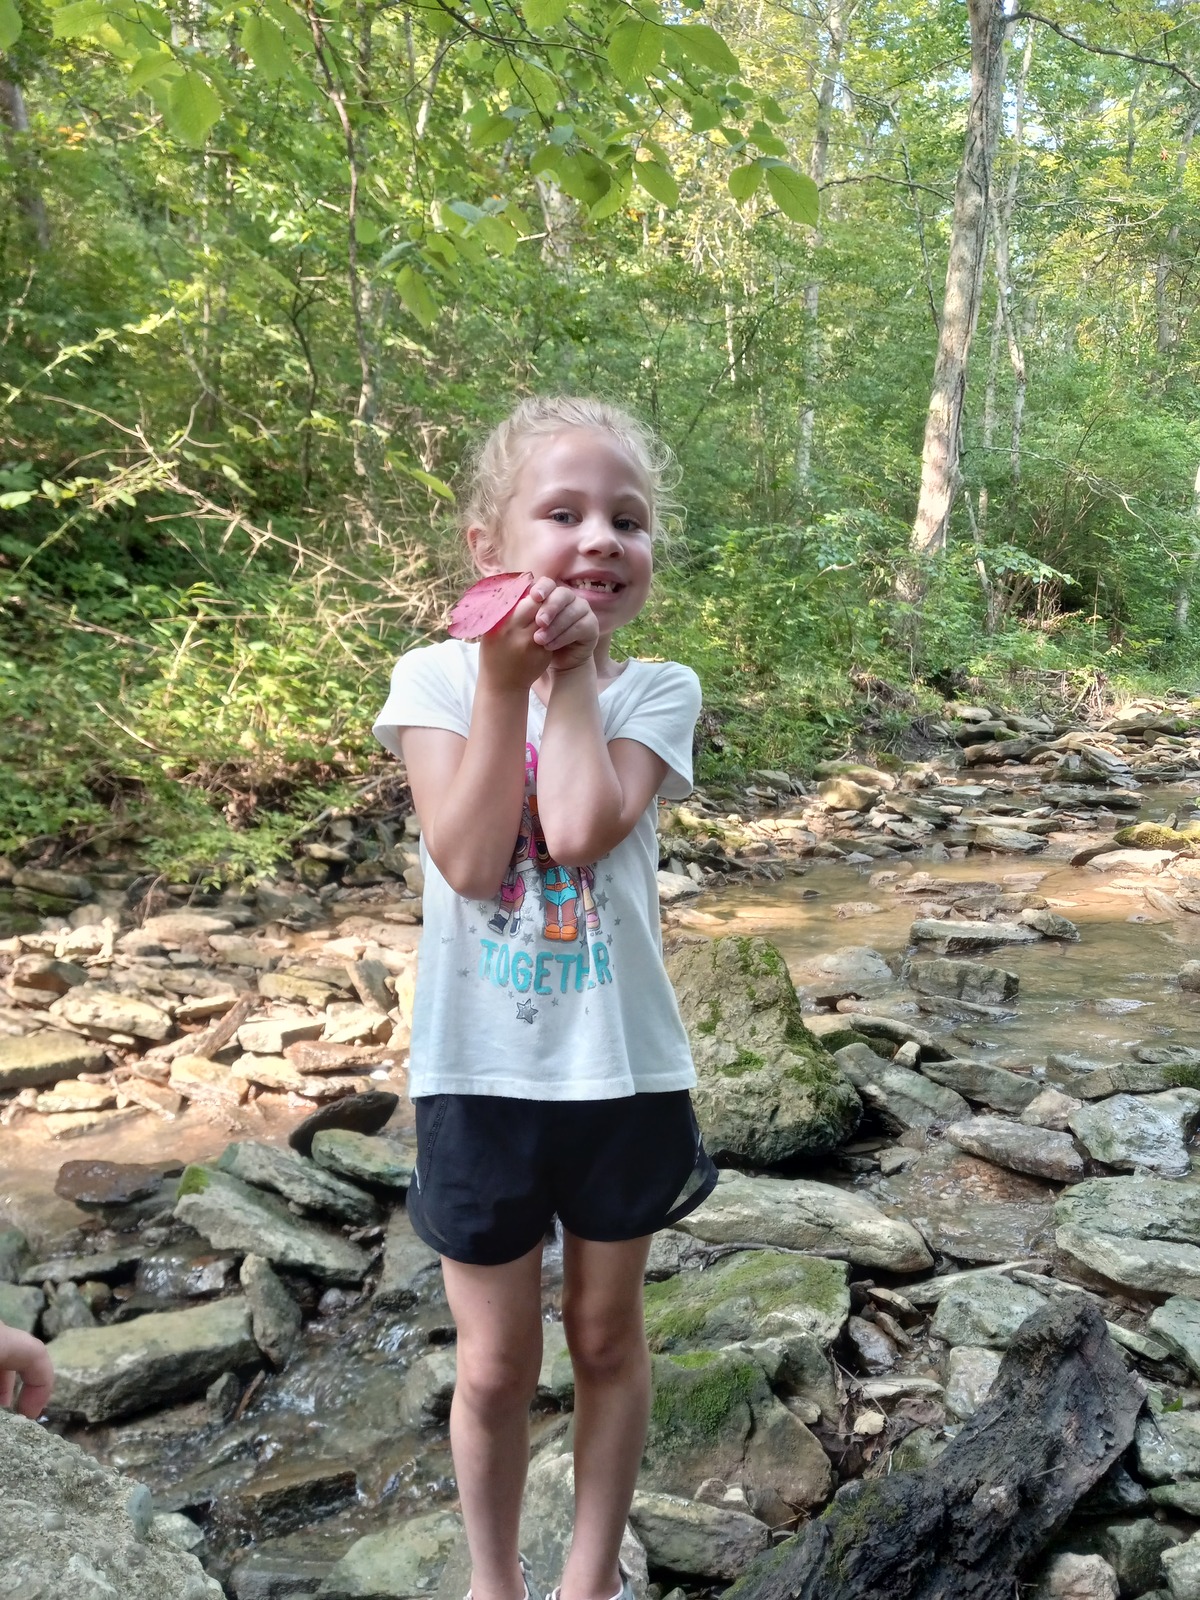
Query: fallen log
{"x": 1061, "y": 1412}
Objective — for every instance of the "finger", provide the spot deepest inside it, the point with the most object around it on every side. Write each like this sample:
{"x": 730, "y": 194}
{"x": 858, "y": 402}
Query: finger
{"x": 7, "y": 1380}
{"x": 35, "y": 1397}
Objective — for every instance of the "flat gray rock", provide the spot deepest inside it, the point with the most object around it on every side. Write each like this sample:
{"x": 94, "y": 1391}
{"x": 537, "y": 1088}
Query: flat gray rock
{"x": 36, "y": 1058}
{"x": 1158, "y": 1265}
{"x": 21, "y": 1306}
{"x": 1177, "y": 1324}
{"x": 368, "y": 1158}
{"x": 753, "y": 1294}
{"x": 234, "y": 1216}
{"x": 793, "y": 1214}
{"x": 970, "y": 1374}
{"x": 1168, "y": 1446}
{"x": 907, "y": 1098}
{"x": 1134, "y": 1208}
{"x": 274, "y": 1315}
{"x": 964, "y": 980}
{"x": 1182, "y": 1568}
{"x": 101, "y": 1012}
{"x": 103, "y": 1373}
{"x": 984, "y": 1310}
{"x": 964, "y": 936}
{"x": 1149, "y": 1132}
{"x": 1038, "y": 1151}
{"x": 978, "y": 1081}
{"x": 296, "y": 1178}
{"x": 410, "y": 1267}
{"x": 403, "y": 1563}
{"x": 688, "y": 1536}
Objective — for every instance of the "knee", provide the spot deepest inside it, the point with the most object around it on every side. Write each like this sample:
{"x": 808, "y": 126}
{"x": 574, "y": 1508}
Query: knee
{"x": 605, "y": 1351}
{"x": 494, "y": 1381}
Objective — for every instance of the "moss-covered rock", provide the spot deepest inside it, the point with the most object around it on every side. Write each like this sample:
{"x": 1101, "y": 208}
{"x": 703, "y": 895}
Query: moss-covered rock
{"x": 1155, "y": 836}
{"x": 767, "y": 1091}
{"x": 713, "y": 1415}
{"x": 755, "y": 1294}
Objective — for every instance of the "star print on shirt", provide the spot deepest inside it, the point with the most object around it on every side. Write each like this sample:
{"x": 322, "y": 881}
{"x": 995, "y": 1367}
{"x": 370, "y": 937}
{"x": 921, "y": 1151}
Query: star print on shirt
{"x": 464, "y": 972}
{"x": 526, "y": 1011}
{"x": 602, "y": 900}
{"x": 472, "y": 929}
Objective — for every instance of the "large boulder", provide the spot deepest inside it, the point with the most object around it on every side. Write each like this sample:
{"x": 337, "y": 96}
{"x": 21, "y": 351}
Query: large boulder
{"x": 767, "y": 1090}
{"x": 794, "y": 1214}
{"x": 1143, "y": 1233}
{"x": 101, "y": 1373}
{"x": 235, "y": 1216}
{"x": 713, "y": 1415}
{"x": 28, "y": 1060}
{"x": 404, "y": 1562}
{"x": 70, "y": 1527}
{"x": 754, "y": 1294}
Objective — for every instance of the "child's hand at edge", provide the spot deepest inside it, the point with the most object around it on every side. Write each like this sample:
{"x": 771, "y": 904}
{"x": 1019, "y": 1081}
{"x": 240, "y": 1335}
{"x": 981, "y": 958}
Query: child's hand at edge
{"x": 23, "y": 1356}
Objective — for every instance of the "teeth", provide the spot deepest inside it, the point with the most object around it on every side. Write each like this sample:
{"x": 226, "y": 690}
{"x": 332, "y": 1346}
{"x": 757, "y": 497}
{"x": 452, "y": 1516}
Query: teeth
{"x": 590, "y": 583}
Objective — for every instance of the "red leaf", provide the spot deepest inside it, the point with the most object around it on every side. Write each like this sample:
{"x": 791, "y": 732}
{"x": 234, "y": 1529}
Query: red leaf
{"x": 486, "y": 604}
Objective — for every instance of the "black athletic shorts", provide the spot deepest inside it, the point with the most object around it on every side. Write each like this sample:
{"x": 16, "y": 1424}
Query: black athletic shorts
{"x": 492, "y": 1173}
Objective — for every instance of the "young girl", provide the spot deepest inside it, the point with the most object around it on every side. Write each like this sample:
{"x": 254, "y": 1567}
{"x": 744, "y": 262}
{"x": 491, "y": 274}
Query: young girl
{"x": 549, "y": 1066}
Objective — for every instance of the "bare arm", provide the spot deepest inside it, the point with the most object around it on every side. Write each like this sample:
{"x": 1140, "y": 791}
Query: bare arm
{"x": 590, "y": 792}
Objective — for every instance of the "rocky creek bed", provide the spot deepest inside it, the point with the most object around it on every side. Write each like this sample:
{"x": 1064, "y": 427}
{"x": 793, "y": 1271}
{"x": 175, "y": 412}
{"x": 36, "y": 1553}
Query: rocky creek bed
{"x": 960, "y": 1172}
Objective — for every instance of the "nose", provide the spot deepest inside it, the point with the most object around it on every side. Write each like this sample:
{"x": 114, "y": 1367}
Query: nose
{"x": 599, "y": 537}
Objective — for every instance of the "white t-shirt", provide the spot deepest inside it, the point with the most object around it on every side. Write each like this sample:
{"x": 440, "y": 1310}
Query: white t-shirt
{"x": 555, "y": 988}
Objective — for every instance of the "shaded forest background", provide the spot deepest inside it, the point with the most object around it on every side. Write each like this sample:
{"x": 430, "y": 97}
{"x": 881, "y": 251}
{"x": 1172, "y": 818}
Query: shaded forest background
{"x": 267, "y": 269}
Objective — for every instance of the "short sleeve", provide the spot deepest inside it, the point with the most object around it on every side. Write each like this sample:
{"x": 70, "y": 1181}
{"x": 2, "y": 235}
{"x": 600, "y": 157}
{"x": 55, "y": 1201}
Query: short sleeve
{"x": 662, "y": 716}
{"x": 430, "y": 688}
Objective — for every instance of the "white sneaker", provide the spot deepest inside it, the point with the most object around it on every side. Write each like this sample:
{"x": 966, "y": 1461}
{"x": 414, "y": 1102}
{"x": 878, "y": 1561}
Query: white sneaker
{"x": 625, "y": 1592}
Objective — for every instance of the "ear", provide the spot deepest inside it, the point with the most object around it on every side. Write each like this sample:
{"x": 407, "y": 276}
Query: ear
{"x": 485, "y": 552}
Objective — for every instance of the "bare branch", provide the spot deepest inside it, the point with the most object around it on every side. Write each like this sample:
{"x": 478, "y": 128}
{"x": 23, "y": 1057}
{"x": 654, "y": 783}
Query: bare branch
{"x": 1107, "y": 50}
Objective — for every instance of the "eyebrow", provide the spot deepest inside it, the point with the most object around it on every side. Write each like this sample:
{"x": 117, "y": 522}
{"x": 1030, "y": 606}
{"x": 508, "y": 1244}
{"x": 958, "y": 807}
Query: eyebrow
{"x": 567, "y": 492}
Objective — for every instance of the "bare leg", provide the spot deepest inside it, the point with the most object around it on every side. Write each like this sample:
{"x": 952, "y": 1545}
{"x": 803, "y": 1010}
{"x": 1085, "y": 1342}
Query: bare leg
{"x": 602, "y": 1312}
{"x": 498, "y": 1311}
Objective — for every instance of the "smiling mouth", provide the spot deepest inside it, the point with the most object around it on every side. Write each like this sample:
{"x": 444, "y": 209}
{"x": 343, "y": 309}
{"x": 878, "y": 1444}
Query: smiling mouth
{"x": 594, "y": 586}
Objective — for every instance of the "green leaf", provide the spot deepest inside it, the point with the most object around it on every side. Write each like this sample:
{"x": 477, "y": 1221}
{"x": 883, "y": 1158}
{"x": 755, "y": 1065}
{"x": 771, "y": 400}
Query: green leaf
{"x": 430, "y": 482}
{"x": 635, "y": 50}
{"x": 541, "y": 14}
{"x": 291, "y": 25}
{"x": 417, "y": 297}
{"x": 150, "y": 66}
{"x": 192, "y": 108}
{"x": 795, "y": 195}
{"x": 616, "y": 197}
{"x": 17, "y": 497}
{"x": 772, "y": 110}
{"x": 705, "y": 47}
{"x": 10, "y": 24}
{"x": 584, "y": 177}
{"x": 657, "y": 181}
{"x": 768, "y": 141}
{"x": 494, "y": 131}
{"x": 743, "y": 181}
{"x": 366, "y": 231}
{"x": 704, "y": 115}
{"x": 264, "y": 43}
{"x": 82, "y": 16}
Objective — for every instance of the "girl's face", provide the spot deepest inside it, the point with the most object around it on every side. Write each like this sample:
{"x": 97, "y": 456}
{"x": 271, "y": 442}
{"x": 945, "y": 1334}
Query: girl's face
{"x": 580, "y": 515}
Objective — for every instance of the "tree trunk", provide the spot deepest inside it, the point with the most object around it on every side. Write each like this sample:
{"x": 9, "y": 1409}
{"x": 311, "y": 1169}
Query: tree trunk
{"x": 1187, "y": 567}
{"x": 968, "y": 1526}
{"x": 964, "y": 280}
{"x": 15, "y": 121}
{"x": 1168, "y": 331}
{"x": 1002, "y": 215}
{"x": 817, "y": 166}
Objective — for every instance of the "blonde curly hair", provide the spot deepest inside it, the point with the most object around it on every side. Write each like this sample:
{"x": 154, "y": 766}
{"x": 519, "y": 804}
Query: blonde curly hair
{"x": 492, "y": 469}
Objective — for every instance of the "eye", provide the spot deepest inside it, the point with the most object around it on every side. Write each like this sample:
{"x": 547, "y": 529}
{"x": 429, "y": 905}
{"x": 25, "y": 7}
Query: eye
{"x": 564, "y": 517}
{"x": 627, "y": 525}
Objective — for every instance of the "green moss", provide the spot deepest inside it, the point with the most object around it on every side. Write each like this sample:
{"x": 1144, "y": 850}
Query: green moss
{"x": 1182, "y": 1077}
{"x": 194, "y": 1181}
{"x": 856, "y": 1521}
{"x": 694, "y": 1408}
{"x": 762, "y": 1281}
{"x": 1155, "y": 836}
{"x": 713, "y": 1020}
{"x": 745, "y": 1061}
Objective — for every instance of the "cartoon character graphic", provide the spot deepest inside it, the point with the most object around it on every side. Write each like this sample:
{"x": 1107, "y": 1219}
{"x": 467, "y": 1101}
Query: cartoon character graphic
{"x": 513, "y": 890}
{"x": 565, "y": 890}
